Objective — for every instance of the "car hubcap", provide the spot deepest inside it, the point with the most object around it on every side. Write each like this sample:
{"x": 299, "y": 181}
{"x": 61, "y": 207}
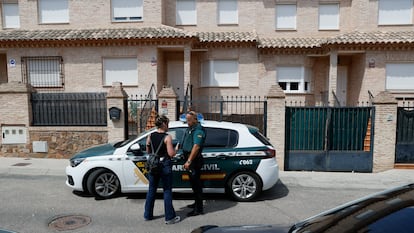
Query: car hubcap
{"x": 106, "y": 184}
{"x": 244, "y": 186}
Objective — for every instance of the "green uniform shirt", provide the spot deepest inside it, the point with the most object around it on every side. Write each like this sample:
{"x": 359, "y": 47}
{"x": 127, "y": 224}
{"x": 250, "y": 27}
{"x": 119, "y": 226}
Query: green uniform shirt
{"x": 193, "y": 135}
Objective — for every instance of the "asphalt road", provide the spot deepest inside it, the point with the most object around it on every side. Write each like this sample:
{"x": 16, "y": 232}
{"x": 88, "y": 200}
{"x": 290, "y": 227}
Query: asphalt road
{"x": 43, "y": 203}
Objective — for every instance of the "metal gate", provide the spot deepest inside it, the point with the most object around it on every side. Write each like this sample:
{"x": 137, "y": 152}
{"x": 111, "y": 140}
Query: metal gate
{"x": 329, "y": 138}
{"x": 404, "y": 148}
{"x": 140, "y": 110}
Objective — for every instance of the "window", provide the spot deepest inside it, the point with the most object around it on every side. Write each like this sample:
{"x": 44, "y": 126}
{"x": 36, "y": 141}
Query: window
{"x": 286, "y": 16}
{"x": 329, "y": 16}
{"x": 186, "y": 13}
{"x": 228, "y": 12}
{"x": 53, "y": 11}
{"x": 399, "y": 76}
{"x": 220, "y": 73}
{"x": 292, "y": 79}
{"x": 177, "y": 135}
{"x": 43, "y": 71}
{"x": 127, "y": 10}
{"x": 220, "y": 138}
{"x": 11, "y": 15}
{"x": 124, "y": 70}
{"x": 395, "y": 12}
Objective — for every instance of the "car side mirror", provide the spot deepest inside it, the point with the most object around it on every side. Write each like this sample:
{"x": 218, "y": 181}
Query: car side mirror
{"x": 135, "y": 147}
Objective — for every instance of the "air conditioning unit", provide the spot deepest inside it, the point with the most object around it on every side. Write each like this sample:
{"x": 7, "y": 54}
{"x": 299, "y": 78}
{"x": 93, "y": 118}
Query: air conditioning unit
{"x": 40, "y": 146}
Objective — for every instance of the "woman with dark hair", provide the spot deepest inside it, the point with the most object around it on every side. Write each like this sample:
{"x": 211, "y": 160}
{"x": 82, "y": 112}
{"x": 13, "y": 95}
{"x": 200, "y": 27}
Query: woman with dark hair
{"x": 166, "y": 152}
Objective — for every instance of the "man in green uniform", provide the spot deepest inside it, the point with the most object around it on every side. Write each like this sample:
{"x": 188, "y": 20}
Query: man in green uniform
{"x": 192, "y": 147}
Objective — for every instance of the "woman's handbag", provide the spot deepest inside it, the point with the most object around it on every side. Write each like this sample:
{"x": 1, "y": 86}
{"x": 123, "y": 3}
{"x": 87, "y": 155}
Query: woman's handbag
{"x": 153, "y": 164}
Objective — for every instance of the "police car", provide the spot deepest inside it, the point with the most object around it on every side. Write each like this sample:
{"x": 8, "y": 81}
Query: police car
{"x": 238, "y": 160}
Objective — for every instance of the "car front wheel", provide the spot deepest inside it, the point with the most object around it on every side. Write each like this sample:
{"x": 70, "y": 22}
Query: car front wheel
{"x": 103, "y": 183}
{"x": 244, "y": 186}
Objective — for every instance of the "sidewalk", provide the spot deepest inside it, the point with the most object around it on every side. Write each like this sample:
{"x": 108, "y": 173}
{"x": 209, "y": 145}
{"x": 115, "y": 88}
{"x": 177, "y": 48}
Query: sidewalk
{"x": 33, "y": 166}
{"x": 381, "y": 180}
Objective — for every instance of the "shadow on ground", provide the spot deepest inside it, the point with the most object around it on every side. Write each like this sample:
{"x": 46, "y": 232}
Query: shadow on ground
{"x": 213, "y": 202}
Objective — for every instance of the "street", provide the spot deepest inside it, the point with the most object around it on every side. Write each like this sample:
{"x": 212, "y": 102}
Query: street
{"x": 30, "y": 204}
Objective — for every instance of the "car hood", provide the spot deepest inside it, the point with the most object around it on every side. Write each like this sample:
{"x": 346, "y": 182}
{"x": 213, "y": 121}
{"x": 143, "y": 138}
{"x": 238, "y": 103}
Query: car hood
{"x": 354, "y": 208}
{"x": 244, "y": 228}
{"x": 104, "y": 149}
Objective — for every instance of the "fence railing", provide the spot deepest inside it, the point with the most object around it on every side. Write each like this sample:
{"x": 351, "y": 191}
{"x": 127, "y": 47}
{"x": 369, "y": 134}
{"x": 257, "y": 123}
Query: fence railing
{"x": 250, "y": 110}
{"x": 300, "y": 103}
{"x": 69, "y": 109}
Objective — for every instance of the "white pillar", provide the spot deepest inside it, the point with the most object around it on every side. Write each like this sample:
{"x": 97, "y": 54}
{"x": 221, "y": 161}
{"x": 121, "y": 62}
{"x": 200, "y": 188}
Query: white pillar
{"x": 333, "y": 77}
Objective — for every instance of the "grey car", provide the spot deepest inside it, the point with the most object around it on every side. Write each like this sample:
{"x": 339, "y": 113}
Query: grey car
{"x": 389, "y": 211}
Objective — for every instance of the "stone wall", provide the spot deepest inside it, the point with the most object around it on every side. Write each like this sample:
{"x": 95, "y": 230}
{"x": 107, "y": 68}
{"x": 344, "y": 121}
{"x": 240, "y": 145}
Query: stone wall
{"x": 62, "y": 142}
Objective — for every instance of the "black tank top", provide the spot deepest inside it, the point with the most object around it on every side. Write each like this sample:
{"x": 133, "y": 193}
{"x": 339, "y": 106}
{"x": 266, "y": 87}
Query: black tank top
{"x": 156, "y": 139}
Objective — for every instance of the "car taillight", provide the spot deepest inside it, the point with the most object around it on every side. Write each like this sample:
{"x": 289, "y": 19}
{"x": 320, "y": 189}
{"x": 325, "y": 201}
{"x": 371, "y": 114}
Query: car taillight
{"x": 270, "y": 153}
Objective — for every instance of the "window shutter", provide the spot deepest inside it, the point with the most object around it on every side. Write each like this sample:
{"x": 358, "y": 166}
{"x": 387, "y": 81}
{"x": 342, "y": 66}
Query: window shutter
{"x": 329, "y": 16}
{"x": 11, "y": 15}
{"x": 400, "y": 76}
{"x": 54, "y": 11}
{"x": 127, "y": 8}
{"x": 392, "y": 12}
{"x": 285, "y": 16}
{"x": 123, "y": 70}
{"x": 186, "y": 13}
{"x": 228, "y": 12}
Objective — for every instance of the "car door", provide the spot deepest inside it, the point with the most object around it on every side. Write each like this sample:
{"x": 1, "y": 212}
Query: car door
{"x": 134, "y": 167}
{"x": 180, "y": 177}
{"x": 135, "y": 175}
{"x": 219, "y": 156}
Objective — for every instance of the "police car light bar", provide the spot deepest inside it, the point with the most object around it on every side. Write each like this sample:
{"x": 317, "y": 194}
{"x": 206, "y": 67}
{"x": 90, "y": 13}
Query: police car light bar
{"x": 200, "y": 118}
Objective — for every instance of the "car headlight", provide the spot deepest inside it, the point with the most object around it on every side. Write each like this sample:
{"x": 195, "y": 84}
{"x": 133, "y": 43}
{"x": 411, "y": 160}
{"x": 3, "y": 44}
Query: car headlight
{"x": 75, "y": 162}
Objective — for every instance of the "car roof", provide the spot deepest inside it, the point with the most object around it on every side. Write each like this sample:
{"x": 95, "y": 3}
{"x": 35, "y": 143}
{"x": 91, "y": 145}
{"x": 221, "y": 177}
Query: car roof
{"x": 210, "y": 123}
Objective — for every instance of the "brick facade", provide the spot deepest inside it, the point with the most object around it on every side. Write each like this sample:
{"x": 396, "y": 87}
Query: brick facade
{"x": 91, "y": 36}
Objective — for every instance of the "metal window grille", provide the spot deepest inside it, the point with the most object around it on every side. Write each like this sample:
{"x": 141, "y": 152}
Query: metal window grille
{"x": 69, "y": 109}
{"x": 43, "y": 72}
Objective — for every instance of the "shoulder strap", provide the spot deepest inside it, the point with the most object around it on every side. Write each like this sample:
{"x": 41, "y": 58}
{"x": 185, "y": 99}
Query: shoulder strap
{"x": 159, "y": 146}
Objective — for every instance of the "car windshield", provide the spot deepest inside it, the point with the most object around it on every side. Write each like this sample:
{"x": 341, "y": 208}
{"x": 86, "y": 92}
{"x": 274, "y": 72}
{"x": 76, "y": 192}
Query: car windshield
{"x": 123, "y": 143}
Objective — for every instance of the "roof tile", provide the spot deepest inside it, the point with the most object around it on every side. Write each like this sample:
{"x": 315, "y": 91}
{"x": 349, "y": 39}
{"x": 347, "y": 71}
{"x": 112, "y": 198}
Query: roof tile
{"x": 227, "y": 36}
{"x": 291, "y": 42}
{"x": 163, "y": 32}
{"x": 373, "y": 37}
{"x": 94, "y": 34}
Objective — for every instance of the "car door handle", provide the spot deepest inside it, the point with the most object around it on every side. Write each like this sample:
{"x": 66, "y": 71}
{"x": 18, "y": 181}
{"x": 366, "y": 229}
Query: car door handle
{"x": 137, "y": 158}
{"x": 221, "y": 156}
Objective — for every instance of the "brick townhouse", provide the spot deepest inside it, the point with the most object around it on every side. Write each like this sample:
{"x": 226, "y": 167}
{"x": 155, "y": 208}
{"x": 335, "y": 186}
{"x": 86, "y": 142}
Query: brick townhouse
{"x": 316, "y": 52}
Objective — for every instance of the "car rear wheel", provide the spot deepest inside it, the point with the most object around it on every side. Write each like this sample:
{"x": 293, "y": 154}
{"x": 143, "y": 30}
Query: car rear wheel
{"x": 103, "y": 183}
{"x": 244, "y": 186}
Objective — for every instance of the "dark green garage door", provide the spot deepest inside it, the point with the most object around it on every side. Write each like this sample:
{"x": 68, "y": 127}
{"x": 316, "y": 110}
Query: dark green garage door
{"x": 404, "y": 148}
{"x": 329, "y": 138}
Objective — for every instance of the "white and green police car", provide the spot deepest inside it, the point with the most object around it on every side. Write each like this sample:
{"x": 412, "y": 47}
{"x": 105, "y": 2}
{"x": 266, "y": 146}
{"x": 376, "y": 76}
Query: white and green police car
{"x": 238, "y": 160}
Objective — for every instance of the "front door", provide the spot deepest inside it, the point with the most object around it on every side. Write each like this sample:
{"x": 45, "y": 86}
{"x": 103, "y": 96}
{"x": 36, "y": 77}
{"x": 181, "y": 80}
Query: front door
{"x": 342, "y": 83}
{"x": 3, "y": 68}
{"x": 175, "y": 76}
